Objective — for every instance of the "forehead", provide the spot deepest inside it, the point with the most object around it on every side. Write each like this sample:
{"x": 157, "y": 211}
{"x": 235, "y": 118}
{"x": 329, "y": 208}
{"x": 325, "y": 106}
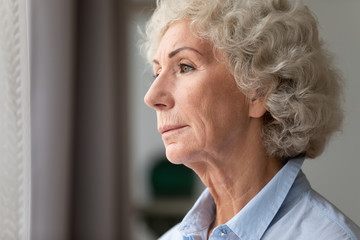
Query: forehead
{"x": 180, "y": 35}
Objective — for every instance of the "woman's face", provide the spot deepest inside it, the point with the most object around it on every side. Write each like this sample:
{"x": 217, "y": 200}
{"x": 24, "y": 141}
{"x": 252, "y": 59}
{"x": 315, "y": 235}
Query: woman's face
{"x": 200, "y": 110}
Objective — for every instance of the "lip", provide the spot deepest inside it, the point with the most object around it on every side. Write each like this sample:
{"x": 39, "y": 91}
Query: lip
{"x": 166, "y": 129}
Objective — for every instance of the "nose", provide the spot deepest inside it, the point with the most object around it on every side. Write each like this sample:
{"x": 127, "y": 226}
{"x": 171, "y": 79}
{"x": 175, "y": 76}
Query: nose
{"x": 159, "y": 95}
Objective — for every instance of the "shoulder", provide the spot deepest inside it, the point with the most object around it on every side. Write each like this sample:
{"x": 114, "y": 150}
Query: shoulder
{"x": 330, "y": 219}
{"x": 311, "y": 216}
{"x": 172, "y": 234}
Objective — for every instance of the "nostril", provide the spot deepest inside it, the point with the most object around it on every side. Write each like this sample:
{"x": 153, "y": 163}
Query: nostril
{"x": 154, "y": 102}
{"x": 160, "y": 105}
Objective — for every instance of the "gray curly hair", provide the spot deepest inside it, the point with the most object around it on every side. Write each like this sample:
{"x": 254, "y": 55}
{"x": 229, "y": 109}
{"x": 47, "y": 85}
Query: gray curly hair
{"x": 274, "y": 52}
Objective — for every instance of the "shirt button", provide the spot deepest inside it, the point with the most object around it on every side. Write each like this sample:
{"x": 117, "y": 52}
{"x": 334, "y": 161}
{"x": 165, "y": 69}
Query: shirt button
{"x": 223, "y": 233}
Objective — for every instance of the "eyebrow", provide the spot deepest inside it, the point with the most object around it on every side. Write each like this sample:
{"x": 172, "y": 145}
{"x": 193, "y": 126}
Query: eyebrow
{"x": 176, "y": 51}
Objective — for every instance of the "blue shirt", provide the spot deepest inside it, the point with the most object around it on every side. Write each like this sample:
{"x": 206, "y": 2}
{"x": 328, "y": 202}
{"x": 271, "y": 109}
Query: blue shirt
{"x": 286, "y": 208}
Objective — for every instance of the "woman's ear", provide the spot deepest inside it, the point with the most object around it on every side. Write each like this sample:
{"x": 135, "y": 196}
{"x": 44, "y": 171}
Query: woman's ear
{"x": 257, "y": 108}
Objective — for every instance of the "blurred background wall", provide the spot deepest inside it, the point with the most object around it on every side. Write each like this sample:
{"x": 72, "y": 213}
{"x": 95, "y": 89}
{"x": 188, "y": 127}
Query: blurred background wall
{"x": 95, "y": 143}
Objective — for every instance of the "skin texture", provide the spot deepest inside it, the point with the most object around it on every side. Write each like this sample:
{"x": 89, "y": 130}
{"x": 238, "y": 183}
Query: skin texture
{"x": 207, "y": 123}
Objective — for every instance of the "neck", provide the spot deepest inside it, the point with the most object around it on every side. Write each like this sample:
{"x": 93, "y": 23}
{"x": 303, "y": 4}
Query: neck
{"x": 236, "y": 176}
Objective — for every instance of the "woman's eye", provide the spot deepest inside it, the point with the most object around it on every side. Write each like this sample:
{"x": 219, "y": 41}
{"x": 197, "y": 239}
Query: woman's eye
{"x": 184, "y": 68}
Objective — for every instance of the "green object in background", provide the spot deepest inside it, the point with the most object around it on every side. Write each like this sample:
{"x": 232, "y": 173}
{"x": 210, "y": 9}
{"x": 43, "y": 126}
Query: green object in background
{"x": 170, "y": 180}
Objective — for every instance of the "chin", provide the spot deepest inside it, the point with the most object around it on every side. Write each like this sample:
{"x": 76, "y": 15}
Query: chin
{"x": 176, "y": 154}
{"x": 173, "y": 158}
{"x": 179, "y": 157}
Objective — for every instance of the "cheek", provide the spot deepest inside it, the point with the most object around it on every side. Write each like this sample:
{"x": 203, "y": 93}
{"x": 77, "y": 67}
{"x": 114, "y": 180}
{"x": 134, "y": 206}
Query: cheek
{"x": 225, "y": 116}
{"x": 198, "y": 118}
{"x": 202, "y": 117}
{"x": 211, "y": 104}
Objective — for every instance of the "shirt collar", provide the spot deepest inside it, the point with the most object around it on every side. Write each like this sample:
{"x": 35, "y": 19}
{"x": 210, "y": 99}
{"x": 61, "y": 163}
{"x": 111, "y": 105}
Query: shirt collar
{"x": 253, "y": 220}
{"x": 200, "y": 216}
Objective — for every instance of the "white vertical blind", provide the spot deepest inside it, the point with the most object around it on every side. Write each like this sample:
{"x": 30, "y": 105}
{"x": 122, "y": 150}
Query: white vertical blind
{"x": 14, "y": 122}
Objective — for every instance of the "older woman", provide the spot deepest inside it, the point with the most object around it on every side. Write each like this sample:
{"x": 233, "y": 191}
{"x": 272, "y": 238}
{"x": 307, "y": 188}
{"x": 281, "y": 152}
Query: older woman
{"x": 243, "y": 92}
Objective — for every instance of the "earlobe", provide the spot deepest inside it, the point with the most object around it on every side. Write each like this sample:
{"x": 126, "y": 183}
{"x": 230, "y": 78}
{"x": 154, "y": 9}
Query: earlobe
{"x": 257, "y": 108}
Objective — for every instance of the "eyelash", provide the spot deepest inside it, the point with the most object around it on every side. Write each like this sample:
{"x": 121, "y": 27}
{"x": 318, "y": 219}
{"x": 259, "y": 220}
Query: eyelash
{"x": 181, "y": 67}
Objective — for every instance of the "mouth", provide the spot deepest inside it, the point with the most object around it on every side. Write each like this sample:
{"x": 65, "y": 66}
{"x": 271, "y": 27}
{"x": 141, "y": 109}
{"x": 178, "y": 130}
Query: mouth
{"x": 168, "y": 129}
